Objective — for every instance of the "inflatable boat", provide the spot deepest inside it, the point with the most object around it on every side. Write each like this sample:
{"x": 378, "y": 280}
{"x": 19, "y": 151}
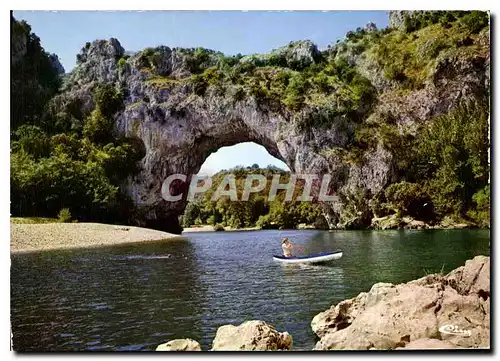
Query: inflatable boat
{"x": 311, "y": 258}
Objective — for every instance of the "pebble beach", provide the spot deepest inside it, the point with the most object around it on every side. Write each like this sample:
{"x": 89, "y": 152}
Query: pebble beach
{"x": 47, "y": 236}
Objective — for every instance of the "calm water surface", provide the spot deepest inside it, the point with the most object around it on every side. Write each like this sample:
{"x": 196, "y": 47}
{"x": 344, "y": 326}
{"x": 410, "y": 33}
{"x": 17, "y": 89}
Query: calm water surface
{"x": 134, "y": 297}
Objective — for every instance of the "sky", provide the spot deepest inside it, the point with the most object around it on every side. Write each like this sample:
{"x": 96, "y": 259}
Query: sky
{"x": 231, "y": 32}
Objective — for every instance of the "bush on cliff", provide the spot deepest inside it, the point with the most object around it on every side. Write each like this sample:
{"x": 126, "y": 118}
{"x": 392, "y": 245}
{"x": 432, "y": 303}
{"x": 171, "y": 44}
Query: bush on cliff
{"x": 409, "y": 199}
{"x": 452, "y": 157}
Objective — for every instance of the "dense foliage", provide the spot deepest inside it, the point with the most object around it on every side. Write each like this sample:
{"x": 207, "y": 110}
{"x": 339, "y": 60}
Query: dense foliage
{"x": 446, "y": 169}
{"x": 65, "y": 164}
{"x": 473, "y": 21}
{"x": 258, "y": 211}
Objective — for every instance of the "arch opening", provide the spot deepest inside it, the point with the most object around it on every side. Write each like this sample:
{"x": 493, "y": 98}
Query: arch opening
{"x": 206, "y": 210}
{"x": 245, "y": 154}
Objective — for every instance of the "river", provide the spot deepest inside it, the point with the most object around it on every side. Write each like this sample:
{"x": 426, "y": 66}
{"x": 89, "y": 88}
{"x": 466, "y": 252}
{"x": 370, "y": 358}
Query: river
{"x": 136, "y": 296}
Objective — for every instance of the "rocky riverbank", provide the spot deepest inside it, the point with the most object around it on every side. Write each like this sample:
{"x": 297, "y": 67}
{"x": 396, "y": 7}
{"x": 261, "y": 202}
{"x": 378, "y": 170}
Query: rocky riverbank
{"x": 209, "y": 228}
{"x": 381, "y": 223}
{"x": 396, "y": 222}
{"x": 419, "y": 312}
{"x": 48, "y": 236}
{"x": 434, "y": 312}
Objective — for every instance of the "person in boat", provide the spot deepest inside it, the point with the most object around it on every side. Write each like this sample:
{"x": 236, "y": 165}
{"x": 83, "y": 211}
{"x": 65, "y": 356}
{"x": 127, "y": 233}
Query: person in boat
{"x": 287, "y": 247}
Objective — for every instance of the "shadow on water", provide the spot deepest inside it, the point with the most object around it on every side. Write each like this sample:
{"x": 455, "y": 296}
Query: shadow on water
{"x": 134, "y": 297}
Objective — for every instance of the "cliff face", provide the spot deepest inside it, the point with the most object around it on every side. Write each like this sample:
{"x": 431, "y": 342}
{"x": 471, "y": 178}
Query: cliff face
{"x": 184, "y": 104}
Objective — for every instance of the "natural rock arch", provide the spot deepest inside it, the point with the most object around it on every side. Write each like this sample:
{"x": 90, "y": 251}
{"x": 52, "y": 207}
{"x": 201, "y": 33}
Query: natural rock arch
{"x": 180, "y": 145}
{"x": 181, "y": 121}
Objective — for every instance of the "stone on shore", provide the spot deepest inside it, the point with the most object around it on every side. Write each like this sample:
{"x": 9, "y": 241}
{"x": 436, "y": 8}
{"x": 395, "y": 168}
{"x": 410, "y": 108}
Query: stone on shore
{"x": 391, "y": 316}
{"x": 184, "y": 344}
{"x": 251, "y": 336}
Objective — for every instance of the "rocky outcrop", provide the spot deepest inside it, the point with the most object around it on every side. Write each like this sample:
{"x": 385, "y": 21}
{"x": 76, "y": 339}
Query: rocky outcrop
{"x": 397, "y": 17}
{"x": 185, "y": 344}
{"x": 391, "y": 316}
{"x": 251, "y": 336}
{"x": 394, "y": 221}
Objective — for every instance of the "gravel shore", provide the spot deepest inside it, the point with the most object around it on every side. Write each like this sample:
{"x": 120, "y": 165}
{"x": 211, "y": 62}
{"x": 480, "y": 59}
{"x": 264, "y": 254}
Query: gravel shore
{"x": 37, "y": 237}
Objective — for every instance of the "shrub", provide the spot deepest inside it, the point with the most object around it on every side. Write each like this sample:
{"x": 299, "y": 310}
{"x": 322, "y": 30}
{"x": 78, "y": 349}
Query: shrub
{"x": 278, "y": 60}
{"x": 392, "y": 72}
{"x": 446, "y": 19}
{"x": 265, "y": 222}
{"x": 145, "y": 58}
{"x": 218, "y": 228}
{"x": 280, "y": 80}
{"x": 32, "y": 140}
{"x": 107, "y": 99}
{"x": 365, "y": 137}
{"x": 97, "y": 127}
{"x": 199, "y": 85}
{"x": 475, "y": 21}
{"x": 390, "y": 137}
{"x": 64, "y": 215}
{"x": 294, "y": 102}
{"x": 198, "y": 60}
{"x": 295, "y": 91}
{"x": 213, "y": 76}
{"x": 239, "y": 94}
{"x": 481, "y": 214}
{"x": 258, "y": 91}
{"x": 226, "y": 62}
{"x": 410, "y": 199}
{"x": 354, "y": 156}
{"x": 122, "y": 62}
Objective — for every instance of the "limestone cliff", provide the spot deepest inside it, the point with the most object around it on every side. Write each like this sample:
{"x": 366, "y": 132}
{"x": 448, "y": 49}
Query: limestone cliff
{"x": 303, "y": 105}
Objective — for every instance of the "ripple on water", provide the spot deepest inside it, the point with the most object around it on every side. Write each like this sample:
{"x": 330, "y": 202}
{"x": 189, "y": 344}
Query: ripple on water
{"x": 134, "y": 297}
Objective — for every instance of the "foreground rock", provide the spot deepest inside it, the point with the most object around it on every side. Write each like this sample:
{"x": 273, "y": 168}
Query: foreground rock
{"x": 251, "y": 336}
{"x": 393, "y": 316}
{"x": 184, "y": 344}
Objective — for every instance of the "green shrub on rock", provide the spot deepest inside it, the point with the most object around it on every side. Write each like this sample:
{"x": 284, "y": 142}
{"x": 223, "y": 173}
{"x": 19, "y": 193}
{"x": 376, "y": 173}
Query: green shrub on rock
{"x": 409, "y": 199}
{"x": 475, "y": 21}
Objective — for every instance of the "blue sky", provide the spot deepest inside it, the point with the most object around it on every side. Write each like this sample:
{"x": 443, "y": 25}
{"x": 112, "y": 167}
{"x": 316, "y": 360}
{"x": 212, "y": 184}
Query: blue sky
{"x": 231, "y": 32}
